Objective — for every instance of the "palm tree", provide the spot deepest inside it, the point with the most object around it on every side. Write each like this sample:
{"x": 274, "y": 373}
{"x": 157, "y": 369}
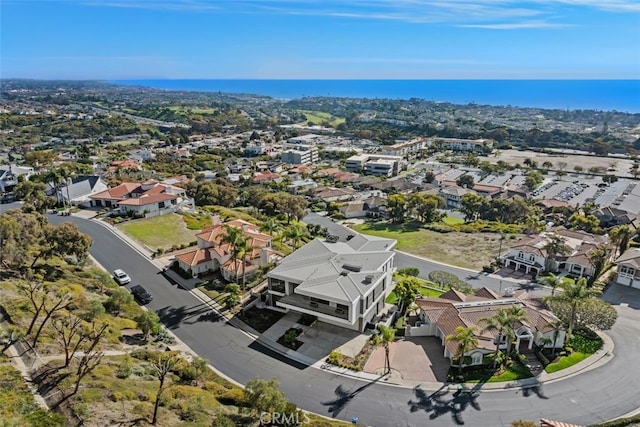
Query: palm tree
{"x": 384, "y": 338}
{"x": 294, "y": 233}
{"x": 556, "y": 245}
{"x": 553, "y": 281}
{"x": 232, "y": 236}
{"x": 620, "y": 237}
{"x": 517, "y": 314}
{"x": 500, "y": 322}
{"x": 243, "y": 248}
{"x": 466, "y": 339}
{"x": 54, "y": 177}
{"x": 557, "y": 326}
{"x": 598, "y": 259}
{"x": 574, "y": 294}
{"x": 270, "y": 225}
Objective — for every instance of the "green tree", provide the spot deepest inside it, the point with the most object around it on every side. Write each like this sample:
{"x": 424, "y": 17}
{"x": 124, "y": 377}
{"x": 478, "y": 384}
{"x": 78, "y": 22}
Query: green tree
{"x": 517, "y": 314}
{"x": 465, "y": 181}
{"x": 466, "y": 338}
{"x": 598, "y": 258}
{"x": 396, "y": 206}
{"x": 574, "y": 294}
{"x": 149, "y": 323}
{"x": 264, "y": 396}
{"x": 407, "y": 289}
{"x": 63, "y": 240}
{"x": 294, "y": 233}
{"x": 472, "y": 206}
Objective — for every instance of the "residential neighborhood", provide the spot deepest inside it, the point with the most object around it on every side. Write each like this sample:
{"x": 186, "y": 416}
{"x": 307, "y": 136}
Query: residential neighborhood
{"x": 426, "y": 261}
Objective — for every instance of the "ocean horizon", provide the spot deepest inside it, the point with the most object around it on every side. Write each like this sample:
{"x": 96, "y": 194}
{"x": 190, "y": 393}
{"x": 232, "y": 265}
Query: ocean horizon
{"x": 602, "y": 95}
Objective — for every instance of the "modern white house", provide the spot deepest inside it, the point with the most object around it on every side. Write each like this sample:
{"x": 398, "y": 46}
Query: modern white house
{"x": 439, "y": 317}
{"x": 78, "y": 191}
{"x": 9, "y": 176}
{"x": 530, "y": 254}
{"x": 628, "y": 272}
{"x": 344, "y": 283}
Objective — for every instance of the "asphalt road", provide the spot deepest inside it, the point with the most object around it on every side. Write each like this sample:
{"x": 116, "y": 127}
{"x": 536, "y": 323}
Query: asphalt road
{"x": 601, "y": 394}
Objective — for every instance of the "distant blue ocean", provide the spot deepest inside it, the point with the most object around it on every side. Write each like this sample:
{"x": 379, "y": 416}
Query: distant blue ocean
{"x": 604, "y": 95}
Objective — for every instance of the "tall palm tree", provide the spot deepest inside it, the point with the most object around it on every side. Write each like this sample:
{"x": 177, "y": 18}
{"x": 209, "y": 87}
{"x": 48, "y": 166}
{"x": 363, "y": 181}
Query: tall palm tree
{"x": 574, "y": 294}
{"x": 466, "y": 339}
{"x": 598, "y": 259}
{"x": 553, "y": 281}
{"x": 620, "y": 236}
{"x": 517, "y": 314}
{"x": 501, "y": 323}
{"x": 243, "y": 248}
{"x": 232, "y": 236}
{"x": 385, "y": 338}
{"x": 557, "y": 326}
{"x": 54, "y": 177}
{"x": 556, "y": 245}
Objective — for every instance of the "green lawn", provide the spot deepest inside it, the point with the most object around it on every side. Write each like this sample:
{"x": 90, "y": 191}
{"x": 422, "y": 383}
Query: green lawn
{"x": 566, "y": 361}
{"x": 161, "y": 231}
{"x": 317, "y": 117}
{"x": 392, "y": 298}
{"x": 452, "y": 220}
{"x": 515, "y": 371}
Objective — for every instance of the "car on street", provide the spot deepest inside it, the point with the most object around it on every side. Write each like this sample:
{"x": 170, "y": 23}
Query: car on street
{"x": 121, "y": 277}
{"x": 141, "y": 295}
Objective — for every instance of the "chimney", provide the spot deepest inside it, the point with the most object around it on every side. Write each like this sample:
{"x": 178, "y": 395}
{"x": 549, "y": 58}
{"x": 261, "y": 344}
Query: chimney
{"x": 216, "y": 220}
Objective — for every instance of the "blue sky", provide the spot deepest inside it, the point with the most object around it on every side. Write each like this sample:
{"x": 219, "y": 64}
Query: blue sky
{"x": 342, "y": 39}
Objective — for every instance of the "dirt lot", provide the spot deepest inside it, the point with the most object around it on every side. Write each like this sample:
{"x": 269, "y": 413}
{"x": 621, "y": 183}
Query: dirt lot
{"x": 621, "y": 166}
{"x": 460, "y": 249}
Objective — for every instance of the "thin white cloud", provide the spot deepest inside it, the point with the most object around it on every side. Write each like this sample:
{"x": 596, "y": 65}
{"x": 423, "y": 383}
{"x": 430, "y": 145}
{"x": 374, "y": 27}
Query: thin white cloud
{"x": 172, "y": 5}
{"x": 607, "y": 5}
{"x": 517, "y": 25}
{"x": 408, "y": 61}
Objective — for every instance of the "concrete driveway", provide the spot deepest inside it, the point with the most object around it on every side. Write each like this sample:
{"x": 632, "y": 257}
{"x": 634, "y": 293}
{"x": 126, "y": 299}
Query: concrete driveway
{"x": 417, "y": 359}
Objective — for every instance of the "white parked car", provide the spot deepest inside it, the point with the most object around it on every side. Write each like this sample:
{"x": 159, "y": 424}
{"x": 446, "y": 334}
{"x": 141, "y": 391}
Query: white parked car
{"x": 121, "y": 277}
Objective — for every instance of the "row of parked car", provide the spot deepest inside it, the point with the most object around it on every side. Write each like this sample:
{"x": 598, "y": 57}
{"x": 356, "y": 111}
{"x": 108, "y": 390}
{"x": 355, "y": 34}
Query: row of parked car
{"x": 139, "y": 293}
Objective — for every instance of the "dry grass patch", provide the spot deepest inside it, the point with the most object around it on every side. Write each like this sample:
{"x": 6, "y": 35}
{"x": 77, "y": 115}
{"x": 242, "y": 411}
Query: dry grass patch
{"x": 455, "y": 248}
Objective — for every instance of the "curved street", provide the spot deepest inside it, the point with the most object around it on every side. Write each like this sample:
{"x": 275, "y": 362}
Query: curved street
{"x": 597, "y": 395}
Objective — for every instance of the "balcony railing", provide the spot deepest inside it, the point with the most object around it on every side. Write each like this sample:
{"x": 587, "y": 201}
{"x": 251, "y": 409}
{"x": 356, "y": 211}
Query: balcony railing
{"x": 304, "y": 303}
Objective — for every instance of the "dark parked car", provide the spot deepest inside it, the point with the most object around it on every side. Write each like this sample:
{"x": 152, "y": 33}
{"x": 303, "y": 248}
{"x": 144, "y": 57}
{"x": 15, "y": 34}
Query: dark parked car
{"x": 141, "y": 295}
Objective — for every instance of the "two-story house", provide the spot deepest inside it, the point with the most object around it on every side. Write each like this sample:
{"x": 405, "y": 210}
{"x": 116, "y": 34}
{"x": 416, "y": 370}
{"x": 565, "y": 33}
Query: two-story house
{"x": 531, "y": 256}
{"x": 628, "y": 271}
{"x": 215, "y": 253}
{"x": 344, "y": 283}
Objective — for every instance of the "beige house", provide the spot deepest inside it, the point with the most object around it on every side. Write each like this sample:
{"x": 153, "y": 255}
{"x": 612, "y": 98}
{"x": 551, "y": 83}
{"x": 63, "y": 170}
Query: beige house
{"x": 440, "y": 317}
{"x": 529, "y": 254}
{"x": 213, "y": 253}
{"x": 149, "y": 198}
{"x": 628, "y": 272}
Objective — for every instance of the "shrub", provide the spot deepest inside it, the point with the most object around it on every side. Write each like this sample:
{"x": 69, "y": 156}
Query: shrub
{"x": 586, "y": 342}
{"x": 409, "y": 271}
{"x": 223, "y": 420}
{"x": 234, "y": 397}
{"x": 622, "y": 422}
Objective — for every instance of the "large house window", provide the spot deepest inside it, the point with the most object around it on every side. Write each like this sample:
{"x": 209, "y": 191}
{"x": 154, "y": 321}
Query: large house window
{"x": 277, "y": 285}
{"x": 532, "y": 258}
{"x": 161, "y": 205}
{"x": 476, "y": 358}
{"x": 625, "y": 271}
{"x": 521, "y": 255}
